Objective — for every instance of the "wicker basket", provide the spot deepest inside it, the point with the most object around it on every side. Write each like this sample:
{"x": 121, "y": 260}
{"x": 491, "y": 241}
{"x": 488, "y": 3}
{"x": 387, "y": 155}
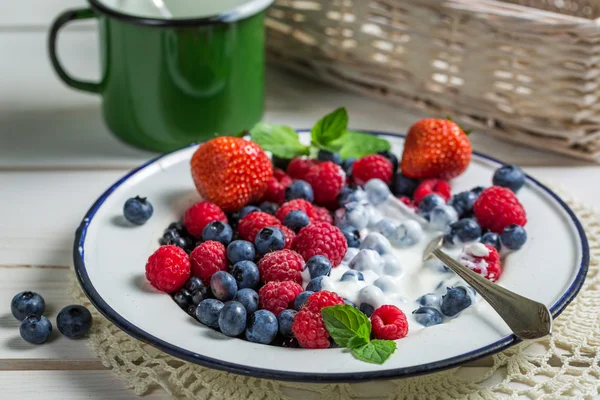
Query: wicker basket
{"x": 526, "y": 71}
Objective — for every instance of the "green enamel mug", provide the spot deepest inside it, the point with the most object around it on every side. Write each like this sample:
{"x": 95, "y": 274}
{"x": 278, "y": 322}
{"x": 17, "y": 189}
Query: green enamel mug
{"x": 174, "y": 72}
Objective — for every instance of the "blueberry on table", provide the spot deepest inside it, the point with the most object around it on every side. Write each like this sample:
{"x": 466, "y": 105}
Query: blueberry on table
{"x": 262, "y": 327}
{"x": 232, "y": 318}
{"x": 285, "y": 320}
{"x": 137, "y": 210}
{"x": 403, "y": 186}
{"x": 27, "y": 303}
{"x": 463, "y": 231}
{"x": 296, "y": 220}
{"x": 491, "y": 238}
{"x": 197, "y": 289}
{"x": 208, "y": 312}
{"x": 513, "y": 237}
{"x": 318, "y": 266}
{"x": 246, "y": 274}
{"x": 455, "y": 300}
{"x": 223, "y": 286}
{"x": 172, "y": 236}
{"x": 35, "y": 329}
{"x": 269, "y": 239}
{"x": 324, "y": 155}
{"x": 248, "y": 298}
{"x": 427, "y": 316}
{"x": 299, "y": 189}
{"x": 377, "y": 191}
{"x": 240, "y": 250}
{"x": 183, "y": 298}
{"x": 391, "y": 158}
{"x": 509, "y": 176}
{"x": 74, "y": 321}
{"x": 301, "y": 299}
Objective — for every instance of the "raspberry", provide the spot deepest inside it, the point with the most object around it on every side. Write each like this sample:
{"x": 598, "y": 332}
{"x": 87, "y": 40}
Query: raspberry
{"x": 319, "y": 300}
{"x": 389, "y": 323}
{"x": 199, "y": 215}
{"x": 282, "y": 265}
{"x": 429, "y": 186}
{"x": 168, "y": 268}
{"x": 321, "y": 238}
{"x": 299, "y": 167}
{"x": 371, "y": 167}
{"x": 252, "y": 223}
{"x": 487, "y": 265}
{"x": 290, "y": 236}
{"x": 298, "y": 204}
{"x": 279, "y": 174}
{"x": 406, "y": 200}
{"x": 207, "y": 259}
{"x": 321, "y": 214}
{"x": 327, "y": 180}
{"x": 275, "y": 192}
{"x": 310, "y": 331}
{"x": 498, "y": 207}
{"x": 277, "y": 296}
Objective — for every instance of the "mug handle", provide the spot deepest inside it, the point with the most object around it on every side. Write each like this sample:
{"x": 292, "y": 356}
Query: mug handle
{"x": 59, "y": 22}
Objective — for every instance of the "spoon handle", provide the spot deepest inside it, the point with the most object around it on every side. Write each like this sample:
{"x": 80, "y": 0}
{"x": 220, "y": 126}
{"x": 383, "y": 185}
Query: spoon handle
{"x": 527, "y": 319}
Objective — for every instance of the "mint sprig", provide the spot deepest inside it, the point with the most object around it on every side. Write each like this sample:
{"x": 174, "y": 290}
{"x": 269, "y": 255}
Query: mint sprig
{"x": 351, "y": 329}
{"x": 329, "y": 133}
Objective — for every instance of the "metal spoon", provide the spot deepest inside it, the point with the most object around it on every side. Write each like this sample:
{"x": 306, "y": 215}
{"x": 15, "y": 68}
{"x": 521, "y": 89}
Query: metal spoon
{"x": 527, "y": 319}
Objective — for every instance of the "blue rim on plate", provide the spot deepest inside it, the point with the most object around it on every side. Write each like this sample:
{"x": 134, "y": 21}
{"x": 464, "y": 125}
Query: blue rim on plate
{"x": 134, "y": 331}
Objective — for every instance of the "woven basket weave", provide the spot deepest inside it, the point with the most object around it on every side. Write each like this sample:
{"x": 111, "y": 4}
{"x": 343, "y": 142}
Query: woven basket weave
{"x": 527, "y": 71}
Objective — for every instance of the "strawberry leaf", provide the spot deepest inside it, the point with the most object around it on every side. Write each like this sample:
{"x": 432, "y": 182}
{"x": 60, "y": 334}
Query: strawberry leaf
{"x": 282, "y": 141}
{"x": 347, "y": 326}
{"x": 376, "y": 351}
{"x": 329, "y": 128}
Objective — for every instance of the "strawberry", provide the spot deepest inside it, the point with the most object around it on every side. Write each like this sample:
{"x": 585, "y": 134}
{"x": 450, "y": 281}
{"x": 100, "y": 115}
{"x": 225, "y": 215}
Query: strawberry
{"x": 231, "y": 172}
{"x": 435, "y": 148}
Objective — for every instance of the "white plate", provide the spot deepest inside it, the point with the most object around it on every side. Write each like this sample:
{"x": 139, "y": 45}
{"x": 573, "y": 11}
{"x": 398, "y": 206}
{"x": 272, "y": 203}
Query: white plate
{"x": 110, "y": 257}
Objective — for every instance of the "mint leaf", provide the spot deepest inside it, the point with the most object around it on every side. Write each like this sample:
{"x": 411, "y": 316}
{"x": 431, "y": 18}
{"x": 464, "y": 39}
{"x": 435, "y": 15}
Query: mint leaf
{"x": 376, "y": 352}
{"x": 356, "y": 144}
{"x": 329, "y": 128}
{"x": 345, "y": 323}
{"x": 280, "y": 140}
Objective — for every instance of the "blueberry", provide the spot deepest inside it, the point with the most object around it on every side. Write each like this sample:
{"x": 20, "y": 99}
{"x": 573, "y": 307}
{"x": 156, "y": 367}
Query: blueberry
{"x": 208, "y": 312}
{"x": 386, "y": 227}
{"x": 367, "y": 260}
{"x": 367, "y": 309}
{"x": 299, "y": 190}
{"x": 477, "y": 190}
{"x": 27, "y": 303}
{"x": 491, "y": 238}
{"x": 232, "y": 318}
{"x": 197, "y": 289}
{"x": 178, "y": 226}
{"x": 463, "y": 231}
{"x": 352, "y": 236}
{"x": 377, "y": 191}
{"x": 354, "y": 214}
{"x": 269, "y": 239}
{"x": 347, "y": 165}
{"x": 246, "y": 274}
{"x": 183, "y": 298}
{"x": 350, "y": 254}
{"x": 352, "y": 276}
{"x": 35, "y": 329}
{"x": 199, "y": 296}
{"x": 172, "y": 236}
{"x": 301, "y": 299}
{"x": 440, "y": 218}
{"x": 430, "y": 300}
{"x": 223, "y": 286}
{"x": 324, "y": 155}
{"x": 376, "y": 241}
{"x": 240, "y": 250}
{"x": 285, "y": 320}
{"x": 279, "y": 162}
{"x": 269, "y": 207}
{"x": 314, "y": 285}
{"x": 463, "y": 203}
{"x": 318, "y": 266}
{"x": 348, "y": 302}
{"x": 403, "y": 186}
{"x": 74, "y": 321}
{"x": 262, "y": 327}
{"x": 350, "y": 194}
{"x": 371, "y": 296}
{"x": 455, "y": 300}
{"x": 194, "y": 284}
{"x": 391, "y": 158}
{"x": 218, "y": 231}
{"x": 386, "y": 284}
{"x": 392, "y": 266}
{"x": 427, "y": 316}
{"x": 137, "y": 210}
{"x": 247, "y": 210}
{"x": 408, "y": 233}
{"x": 513, "y": 237}
{"x": 429, "y": 202}
{"x": 248, "y": 298}
{"x": 296, "y": 220}
{"x": 509, "y": 176}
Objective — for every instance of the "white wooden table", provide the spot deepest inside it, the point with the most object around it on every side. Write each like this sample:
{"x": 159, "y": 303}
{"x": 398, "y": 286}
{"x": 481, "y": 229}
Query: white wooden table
{"x": 56, "y": 157}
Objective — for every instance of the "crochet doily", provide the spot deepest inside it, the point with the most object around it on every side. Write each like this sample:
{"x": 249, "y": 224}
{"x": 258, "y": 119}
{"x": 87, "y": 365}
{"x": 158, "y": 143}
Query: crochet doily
{"x": 565, "y": 365}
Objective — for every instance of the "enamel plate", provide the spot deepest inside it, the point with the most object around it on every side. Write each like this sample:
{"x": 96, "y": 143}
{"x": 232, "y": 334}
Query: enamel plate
{"x": 110, "y": 256}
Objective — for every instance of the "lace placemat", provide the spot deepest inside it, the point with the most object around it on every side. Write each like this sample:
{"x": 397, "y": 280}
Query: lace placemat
{"x": 528, "y": 369}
